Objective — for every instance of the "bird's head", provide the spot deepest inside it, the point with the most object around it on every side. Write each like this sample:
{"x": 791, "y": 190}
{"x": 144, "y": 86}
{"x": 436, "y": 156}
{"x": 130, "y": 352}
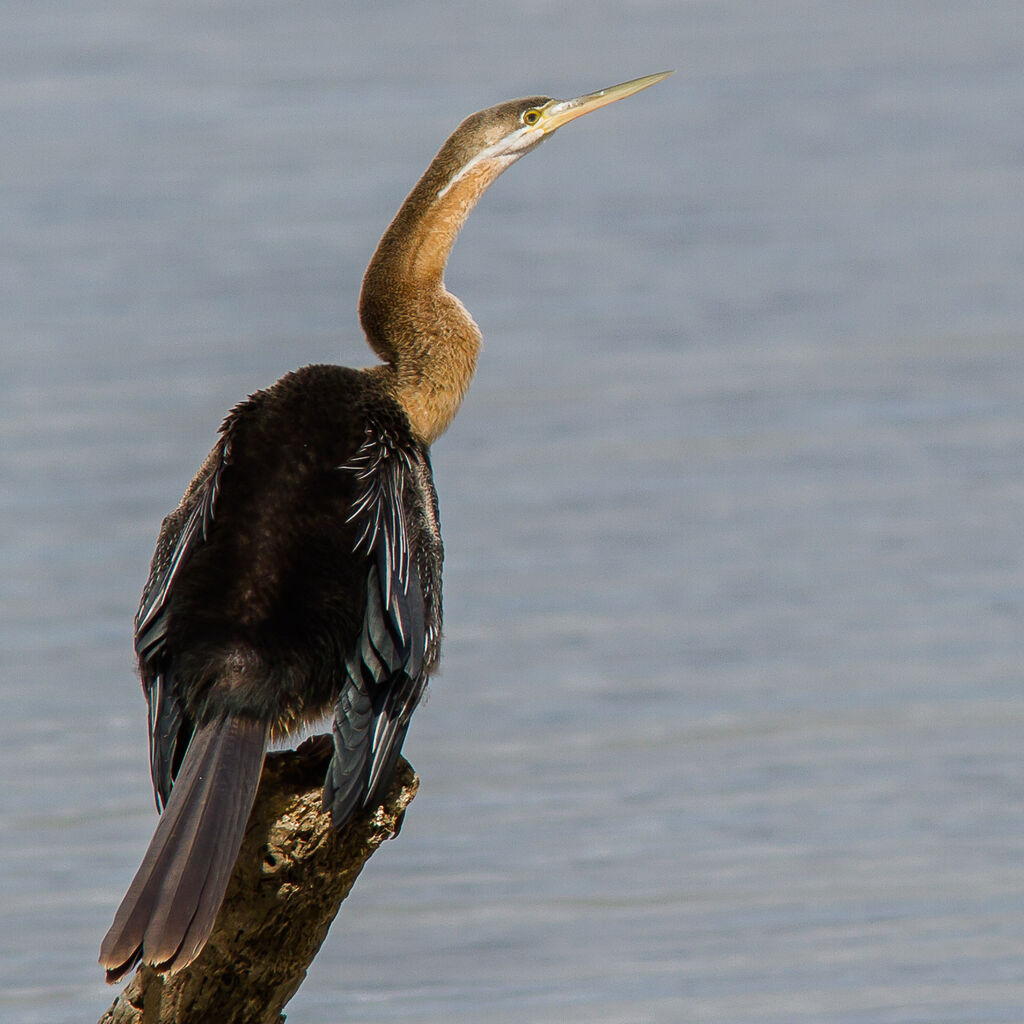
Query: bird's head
{"x": 492, "y": 139}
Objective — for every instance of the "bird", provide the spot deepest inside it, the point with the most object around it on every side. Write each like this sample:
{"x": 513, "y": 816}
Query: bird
{"x": 299, "y": 578}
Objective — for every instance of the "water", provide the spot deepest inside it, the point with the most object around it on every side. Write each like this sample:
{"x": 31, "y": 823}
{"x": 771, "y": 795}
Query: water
{"x": 729, "y": 727}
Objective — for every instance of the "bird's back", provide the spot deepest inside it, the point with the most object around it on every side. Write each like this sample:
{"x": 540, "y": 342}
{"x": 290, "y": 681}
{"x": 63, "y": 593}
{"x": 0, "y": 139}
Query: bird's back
{"x": 269, "y": 602}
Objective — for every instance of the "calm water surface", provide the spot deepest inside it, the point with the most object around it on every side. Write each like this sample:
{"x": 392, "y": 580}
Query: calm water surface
{"x": 730, "y": 723}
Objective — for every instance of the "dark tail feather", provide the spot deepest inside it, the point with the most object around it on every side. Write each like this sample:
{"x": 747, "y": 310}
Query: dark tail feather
{"x": 172, "y": 903}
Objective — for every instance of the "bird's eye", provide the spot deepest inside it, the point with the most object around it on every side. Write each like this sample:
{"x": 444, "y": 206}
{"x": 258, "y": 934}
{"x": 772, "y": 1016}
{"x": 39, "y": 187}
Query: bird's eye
{"x": 531, "y": 116}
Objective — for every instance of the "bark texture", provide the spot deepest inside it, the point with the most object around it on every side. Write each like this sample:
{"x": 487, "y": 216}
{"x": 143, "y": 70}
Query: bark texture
{"x": 288, "y": 883}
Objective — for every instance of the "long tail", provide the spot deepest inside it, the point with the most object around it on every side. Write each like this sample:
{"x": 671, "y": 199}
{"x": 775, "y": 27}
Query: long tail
{"x": 170, "y": 907}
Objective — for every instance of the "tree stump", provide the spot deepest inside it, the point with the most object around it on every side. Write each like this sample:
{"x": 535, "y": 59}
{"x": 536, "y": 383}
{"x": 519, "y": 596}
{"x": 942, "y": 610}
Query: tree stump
{"x": 287, "y": 886}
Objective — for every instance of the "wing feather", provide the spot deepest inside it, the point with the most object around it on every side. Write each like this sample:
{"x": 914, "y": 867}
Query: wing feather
{"x": 385, "y": 676}
{"x": 184, "y": 530}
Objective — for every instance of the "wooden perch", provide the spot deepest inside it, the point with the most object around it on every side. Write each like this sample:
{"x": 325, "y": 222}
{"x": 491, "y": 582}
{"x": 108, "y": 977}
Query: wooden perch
{"x": 288, "y": 883}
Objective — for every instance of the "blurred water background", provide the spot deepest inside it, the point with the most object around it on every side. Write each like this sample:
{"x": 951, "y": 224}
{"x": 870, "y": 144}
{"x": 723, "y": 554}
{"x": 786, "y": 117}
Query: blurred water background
{"x": 730, "y": 723}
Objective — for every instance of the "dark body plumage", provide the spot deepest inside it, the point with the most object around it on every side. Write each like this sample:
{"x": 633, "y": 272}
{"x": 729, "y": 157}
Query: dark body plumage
{"x": 312, "y": 521}
{"x": 300, "y": 577}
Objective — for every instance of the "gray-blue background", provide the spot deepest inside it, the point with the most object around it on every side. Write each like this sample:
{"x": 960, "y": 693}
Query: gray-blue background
{"x": 729, "y": 728}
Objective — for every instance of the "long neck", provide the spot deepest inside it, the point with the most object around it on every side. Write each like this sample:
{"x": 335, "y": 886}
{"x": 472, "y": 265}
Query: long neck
{"x": 423, "y": 333}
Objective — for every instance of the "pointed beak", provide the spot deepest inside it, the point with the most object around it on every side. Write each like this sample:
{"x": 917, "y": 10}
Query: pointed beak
{"x": 560, "y": 112}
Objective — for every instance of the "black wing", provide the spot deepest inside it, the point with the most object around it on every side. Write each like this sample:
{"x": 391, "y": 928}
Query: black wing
{"x": 384, "y": 674}
{"x": 170, "y": 728}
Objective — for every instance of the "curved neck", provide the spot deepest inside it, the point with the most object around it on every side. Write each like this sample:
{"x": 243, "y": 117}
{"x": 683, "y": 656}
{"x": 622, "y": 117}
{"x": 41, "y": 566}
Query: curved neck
{"x": 422, "y": 332}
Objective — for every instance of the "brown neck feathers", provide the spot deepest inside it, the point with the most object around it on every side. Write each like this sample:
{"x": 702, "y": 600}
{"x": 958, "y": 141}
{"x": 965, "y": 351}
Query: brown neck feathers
{"x": 412, "y": 322}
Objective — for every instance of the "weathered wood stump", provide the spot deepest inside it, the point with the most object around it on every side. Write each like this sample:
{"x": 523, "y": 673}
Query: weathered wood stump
{"x": 289, "y": 881}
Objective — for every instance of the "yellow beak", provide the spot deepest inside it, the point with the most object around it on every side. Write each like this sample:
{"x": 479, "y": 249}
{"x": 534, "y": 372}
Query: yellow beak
{"x": 560, "y": 112}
